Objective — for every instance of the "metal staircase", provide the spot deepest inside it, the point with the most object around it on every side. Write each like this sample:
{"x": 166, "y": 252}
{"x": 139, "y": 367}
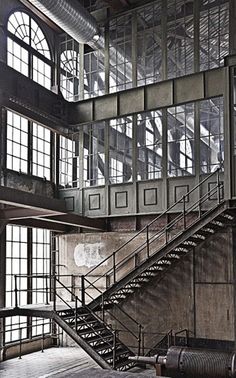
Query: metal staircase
{"x": 88, "y": 320}
{"x": 96, "y": 337}
{"x": 160, "y": 250}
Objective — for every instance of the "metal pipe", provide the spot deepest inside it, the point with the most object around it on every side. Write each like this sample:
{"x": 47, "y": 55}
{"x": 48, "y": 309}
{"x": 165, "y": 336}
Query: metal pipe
{"x": 70, "y": 16}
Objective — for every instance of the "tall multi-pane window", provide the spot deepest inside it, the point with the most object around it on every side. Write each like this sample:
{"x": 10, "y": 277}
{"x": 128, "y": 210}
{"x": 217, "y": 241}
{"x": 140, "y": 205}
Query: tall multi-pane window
{"x": 20, "y": 261}
{"x": 180, "y": 38}
{"x": 94, "y": 74}
{"x": 120, "y": 150}
{"x": 16, "y": 264}
{"x": 149, "y": 145}
{"x": 41, "y": 146}
{"x": 149, "y": 53}
{"x": 180, "y": 147}
{"x": 17, "y": 142}
{"x": 27, "y": 49}
{"x": 28, "y": 146}
{"x": 69, "y": 162}
{"x": 69, "y": 69}
{"x": 94, "y": 154}
{"x": 211, "y": 134}
{"x": 214, "y": 33}
{"x": 120, "y": 52}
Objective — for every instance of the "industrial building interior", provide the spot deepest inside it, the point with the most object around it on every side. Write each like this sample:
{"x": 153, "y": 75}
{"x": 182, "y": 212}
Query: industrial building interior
{"x": 118, "y": 186}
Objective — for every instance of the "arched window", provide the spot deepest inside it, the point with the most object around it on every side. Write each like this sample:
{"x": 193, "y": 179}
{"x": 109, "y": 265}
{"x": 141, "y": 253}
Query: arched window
{"x": 70, "y": 75}
{"x": 27, "y": 49}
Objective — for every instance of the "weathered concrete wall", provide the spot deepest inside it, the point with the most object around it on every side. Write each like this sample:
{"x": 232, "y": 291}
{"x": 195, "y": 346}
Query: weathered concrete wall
{"x": 196, "y": 294}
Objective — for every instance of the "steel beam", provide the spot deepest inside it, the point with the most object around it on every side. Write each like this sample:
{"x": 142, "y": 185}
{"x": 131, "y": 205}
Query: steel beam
{"x": 48, "y": 209}
{"x": 77, "y": 221}
{"x": 19, "y": 198}
{"x": 41, "y": 223}
{"x": 195, "y": 87}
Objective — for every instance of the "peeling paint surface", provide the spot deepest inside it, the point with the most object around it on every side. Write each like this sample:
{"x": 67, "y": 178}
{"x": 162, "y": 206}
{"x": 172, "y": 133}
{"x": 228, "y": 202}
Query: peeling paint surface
{"x": 89, "y": 254}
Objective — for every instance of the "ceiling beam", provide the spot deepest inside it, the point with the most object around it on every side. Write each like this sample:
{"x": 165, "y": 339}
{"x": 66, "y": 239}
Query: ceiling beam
{"x": 40, "y": 223}
{"x": 19, "y": 198}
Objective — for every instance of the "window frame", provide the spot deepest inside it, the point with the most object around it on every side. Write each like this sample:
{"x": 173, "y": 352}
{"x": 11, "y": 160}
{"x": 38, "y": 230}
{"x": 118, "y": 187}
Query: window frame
{"x": 32, "y": 52}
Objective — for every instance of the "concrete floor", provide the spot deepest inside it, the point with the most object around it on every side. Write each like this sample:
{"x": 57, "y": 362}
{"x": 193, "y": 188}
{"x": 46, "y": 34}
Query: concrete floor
{"x": 70, "y": 362}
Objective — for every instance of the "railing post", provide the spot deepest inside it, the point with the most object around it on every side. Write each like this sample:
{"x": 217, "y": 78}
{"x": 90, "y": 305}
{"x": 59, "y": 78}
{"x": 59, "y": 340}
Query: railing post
{"x": 42, "y": 347}
{"x": 107, "y": 281}
{"x": 199, "y": 208}
{"x": 72, "y": 287}
{"x": 16, "y": 291}
{"x": 103, "y": 314}
{"x": 139, "y": 338}
{"x": 20, "y": 346}
{"x": 143, "y": 343}
{"x": 166, "y": 234}
{"x": 135, "y": 260}
{"x": 114, "y": 267}
{"x": 54, "y": 292}
{"x": 147, "y": 229}
{"x": 76, "y": 309}
{"x": 184, "y": 212}
{"x": 114, "y": 351}
{"x": 218, "y": 186}
{"x": 82, "y": 290}
{"x": 47, "y": 301}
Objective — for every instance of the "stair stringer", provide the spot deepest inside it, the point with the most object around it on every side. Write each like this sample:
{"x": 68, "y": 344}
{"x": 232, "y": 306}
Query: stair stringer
{"x": 87, "y": 348}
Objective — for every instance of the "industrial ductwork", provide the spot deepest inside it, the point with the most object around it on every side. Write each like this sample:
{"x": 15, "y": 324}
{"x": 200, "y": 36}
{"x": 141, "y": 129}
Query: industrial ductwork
{"x": 72, "y": 17}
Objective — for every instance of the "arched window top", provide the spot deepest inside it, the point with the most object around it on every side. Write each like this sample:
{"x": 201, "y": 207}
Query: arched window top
{"x": 22, "y": 26}
{"x": 70, "y": 62}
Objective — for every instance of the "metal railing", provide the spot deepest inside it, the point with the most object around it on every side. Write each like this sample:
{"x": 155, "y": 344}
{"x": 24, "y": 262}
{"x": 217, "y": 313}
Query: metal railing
{"x": 53, "y": 295}
{"x": 119, "y": 266}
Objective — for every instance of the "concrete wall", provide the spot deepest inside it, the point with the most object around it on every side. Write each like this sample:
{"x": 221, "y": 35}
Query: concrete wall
{"x": 197, "y": 293}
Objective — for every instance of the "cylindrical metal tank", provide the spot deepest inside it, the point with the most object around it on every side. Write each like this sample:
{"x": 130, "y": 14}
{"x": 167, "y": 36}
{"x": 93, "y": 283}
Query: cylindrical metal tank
{"x": 199, "y": 363}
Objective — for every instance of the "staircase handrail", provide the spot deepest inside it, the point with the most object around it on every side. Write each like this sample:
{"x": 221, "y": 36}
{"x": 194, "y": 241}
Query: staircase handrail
{"x": 154, "y": 220}
{"x": 165, "y": 229}
{"x": 162, "y": 231}
{"x": 121, "y": 309}
{"x": 94, "y": 314}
